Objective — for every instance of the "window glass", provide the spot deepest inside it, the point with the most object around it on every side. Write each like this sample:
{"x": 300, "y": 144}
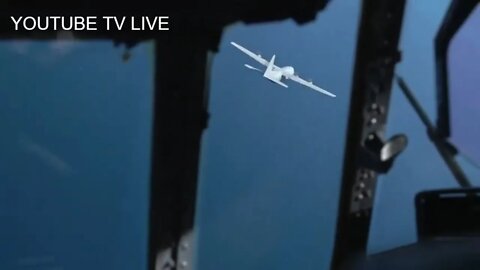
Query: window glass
{"x": 75, "y": 125}
{"x": 464, "y": 86}
{"x": 272, "y": 156}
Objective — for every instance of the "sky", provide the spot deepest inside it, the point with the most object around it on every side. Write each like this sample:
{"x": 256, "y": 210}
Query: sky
{"x": 464, "y": 64}
{"x": 272, "y": 156}
{"x": 75, "y": 160}
{"x": 74, "y": 165}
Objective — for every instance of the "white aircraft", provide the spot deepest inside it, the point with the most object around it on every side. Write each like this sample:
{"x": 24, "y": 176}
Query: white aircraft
{"x": 276, "y": 74}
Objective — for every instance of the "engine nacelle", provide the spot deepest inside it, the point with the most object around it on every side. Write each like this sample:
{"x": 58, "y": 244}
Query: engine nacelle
{"x": 288, "y": 71}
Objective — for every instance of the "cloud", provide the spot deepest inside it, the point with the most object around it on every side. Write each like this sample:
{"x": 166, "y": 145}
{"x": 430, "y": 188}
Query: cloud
{"x": 20, "y": 46}
{"x": 64, "y": 43}
{"x": 49, "y": 158}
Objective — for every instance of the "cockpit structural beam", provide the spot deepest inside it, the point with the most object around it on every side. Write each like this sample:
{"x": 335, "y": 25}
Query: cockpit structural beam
{"x": 376, "y": 56}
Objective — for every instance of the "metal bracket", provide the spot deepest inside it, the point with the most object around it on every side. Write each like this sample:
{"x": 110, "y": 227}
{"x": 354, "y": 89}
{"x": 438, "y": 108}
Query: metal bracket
{"x": 185, "y": 252}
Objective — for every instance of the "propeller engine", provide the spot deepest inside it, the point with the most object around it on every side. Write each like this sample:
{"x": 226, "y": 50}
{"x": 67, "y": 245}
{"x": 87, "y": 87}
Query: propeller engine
{"x": 288, "y": 71}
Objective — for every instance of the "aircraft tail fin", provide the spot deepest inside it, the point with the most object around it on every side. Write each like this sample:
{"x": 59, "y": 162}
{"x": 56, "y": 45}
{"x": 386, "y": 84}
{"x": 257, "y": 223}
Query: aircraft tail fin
{"x": 271, "y": 63}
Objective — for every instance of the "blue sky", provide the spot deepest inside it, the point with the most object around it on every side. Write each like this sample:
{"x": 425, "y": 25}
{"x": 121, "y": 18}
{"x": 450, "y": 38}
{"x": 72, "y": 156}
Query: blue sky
{"x": 74, "y": 166}
{"x": 272, "y": 156}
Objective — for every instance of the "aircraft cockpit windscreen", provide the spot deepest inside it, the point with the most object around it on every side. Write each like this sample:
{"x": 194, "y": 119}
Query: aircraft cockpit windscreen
{"x": 463, "y": 75}
{"x": 75, "y": 120}
{"x": 261, "y": 136}
{"x": 271, "y": 152}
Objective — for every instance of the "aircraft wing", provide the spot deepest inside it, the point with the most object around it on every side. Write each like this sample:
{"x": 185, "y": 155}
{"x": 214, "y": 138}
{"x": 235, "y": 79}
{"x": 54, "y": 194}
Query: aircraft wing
{"x": 256, "y": 57}
{"x": 310, "y": 85}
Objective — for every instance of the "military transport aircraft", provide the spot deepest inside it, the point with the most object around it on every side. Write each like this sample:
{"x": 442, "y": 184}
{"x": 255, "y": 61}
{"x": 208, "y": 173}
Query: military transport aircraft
{"x": 276, "y": 74}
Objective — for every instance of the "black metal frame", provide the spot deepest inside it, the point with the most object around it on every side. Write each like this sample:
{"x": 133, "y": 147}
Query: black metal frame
{"x": 180, "y": 116}
{"x": 376, "y": 56}
{"x": 446, "y": 150}
{"x": 456, "y": 15}
{"x": 448, "y": 213}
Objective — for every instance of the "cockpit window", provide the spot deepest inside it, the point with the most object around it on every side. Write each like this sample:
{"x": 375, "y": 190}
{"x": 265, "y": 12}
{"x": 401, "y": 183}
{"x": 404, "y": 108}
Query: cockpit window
{"x": 464, "y": 85}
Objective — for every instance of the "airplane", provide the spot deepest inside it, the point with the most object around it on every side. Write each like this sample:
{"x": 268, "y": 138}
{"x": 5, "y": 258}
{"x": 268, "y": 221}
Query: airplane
{"x": 276, "y": 74}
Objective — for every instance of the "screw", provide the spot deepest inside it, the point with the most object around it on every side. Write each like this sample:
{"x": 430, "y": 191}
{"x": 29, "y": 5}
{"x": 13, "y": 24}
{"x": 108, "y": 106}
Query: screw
{"x": 364, "y": 175}
{"x": 360, "y": 197}
{"x": 183, "y": 264}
